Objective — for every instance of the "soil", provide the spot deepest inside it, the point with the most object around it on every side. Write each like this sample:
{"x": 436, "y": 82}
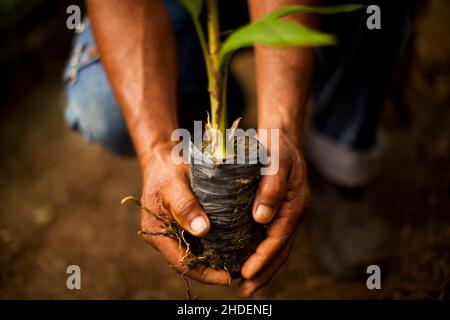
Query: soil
{"x": 60, "y": 202}
{"x": 226, "y": 193}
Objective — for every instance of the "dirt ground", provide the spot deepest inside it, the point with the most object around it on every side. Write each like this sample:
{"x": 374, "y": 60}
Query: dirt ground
{"x": 60, "y": 200}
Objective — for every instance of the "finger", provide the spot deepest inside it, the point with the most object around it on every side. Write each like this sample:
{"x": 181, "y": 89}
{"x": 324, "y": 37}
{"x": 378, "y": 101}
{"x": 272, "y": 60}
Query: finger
{"x": 266, "y": 250}
{"x": 248, "y": 287}
{"x": 278, "y": 233}
{"x": 270, "y": 194}
{"x": 185, "y": 208}
{"x": 175, "y": 255}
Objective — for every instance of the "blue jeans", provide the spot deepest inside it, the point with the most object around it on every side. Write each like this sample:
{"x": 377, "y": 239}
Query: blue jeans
{"x": 92, "y": 108}
{"x": 349, "y": 84}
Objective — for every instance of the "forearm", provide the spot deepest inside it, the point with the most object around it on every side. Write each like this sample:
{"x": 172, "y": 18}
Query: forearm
{"x": 137, "y": 49}
{"x": 283, "y": 75}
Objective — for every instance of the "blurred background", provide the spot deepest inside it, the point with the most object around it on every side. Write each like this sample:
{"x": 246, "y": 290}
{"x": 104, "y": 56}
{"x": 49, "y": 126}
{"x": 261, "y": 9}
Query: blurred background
{"x": 60, "y": 197}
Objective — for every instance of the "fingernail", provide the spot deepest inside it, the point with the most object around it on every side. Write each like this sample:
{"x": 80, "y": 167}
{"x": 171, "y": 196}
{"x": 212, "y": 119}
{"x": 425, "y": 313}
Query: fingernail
{"x": 263, "y": 213}
{"x": 199, "y": 225}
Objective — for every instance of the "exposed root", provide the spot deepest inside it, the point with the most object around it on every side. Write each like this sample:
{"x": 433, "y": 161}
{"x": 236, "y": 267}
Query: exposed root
{"x": 188, "y": 259}
{"x": 188, "y": 287}
{"x": 188, "y": 247}
{"x": 230, "y": 278}
{"x": 139, "y": 203}
{"x": 174, "y": 231}
{"x": 146, "y": 233}
{"x": 171, "y": 228}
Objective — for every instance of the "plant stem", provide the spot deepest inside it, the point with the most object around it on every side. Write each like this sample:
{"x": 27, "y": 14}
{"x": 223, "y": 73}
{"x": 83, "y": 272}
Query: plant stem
{"x": 218, "y": 114}
{"x": 203, "y": 45}
{"x": 225, "y": 70}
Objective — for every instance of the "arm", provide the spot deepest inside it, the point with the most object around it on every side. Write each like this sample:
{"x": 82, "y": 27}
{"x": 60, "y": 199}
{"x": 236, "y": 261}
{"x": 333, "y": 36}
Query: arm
{"x": 137, "y": 49}
{"x": 283, "y": 75}
{"x": 283, "y": 79}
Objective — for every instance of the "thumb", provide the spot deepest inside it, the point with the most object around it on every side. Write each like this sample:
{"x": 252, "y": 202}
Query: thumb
{"x": 186, "y": 209}
{"x": 270, "y": 194}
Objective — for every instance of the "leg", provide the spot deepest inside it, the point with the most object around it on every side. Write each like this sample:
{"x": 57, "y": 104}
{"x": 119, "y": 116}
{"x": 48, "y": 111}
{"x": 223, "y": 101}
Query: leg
{"x": 350, "y": 86}
{"x": 92, "y": 108}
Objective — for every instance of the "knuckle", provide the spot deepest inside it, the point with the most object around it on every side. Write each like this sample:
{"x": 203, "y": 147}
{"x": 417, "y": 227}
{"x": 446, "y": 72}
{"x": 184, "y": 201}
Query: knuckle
{"x": 272, "y": 192}
{"x": 298, "y": 172}
{"x": 292, "y": 195}
{"x": 281, "y": 242}
{"x": 293, "y": 211}
{"x": 184, "y": 208}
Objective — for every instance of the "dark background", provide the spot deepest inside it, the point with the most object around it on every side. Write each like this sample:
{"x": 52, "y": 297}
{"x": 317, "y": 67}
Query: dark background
{"x": 60, "y": 198}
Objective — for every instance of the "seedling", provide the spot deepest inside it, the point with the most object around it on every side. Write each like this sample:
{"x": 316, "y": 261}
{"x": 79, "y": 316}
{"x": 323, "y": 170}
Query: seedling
{"x": 226, "y": 191}
{"x": 270, "y": 30}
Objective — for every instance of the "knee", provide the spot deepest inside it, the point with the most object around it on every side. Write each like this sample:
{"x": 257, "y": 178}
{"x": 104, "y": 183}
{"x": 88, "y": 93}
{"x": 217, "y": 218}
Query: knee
{"x": 93, "y": 111}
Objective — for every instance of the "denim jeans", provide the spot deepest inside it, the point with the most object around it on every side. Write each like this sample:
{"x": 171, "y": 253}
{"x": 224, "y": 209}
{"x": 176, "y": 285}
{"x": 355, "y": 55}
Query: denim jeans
{"x": 349, "y": 84}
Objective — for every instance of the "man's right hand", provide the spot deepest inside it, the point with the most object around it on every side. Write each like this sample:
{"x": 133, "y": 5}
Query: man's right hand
{"x": 142, "y": 72}
{"x": 166, "y": 192}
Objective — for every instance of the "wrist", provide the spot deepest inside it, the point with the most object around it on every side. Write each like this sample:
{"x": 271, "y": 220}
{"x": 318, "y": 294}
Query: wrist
{"x": 289, "y": 128}
{"x": 159, "y": 151}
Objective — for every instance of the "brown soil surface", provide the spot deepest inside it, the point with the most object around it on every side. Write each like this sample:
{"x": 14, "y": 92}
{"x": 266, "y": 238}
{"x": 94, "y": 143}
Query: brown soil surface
{"x": 60, "y": 200}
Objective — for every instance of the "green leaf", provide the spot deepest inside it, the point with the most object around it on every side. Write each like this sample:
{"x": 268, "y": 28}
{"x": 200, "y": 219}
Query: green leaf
{"x": 194, "y": 7}
{"x": 277, "y": 33}
{"x": 285, "y": 11}
{"x": 271, "y": 31}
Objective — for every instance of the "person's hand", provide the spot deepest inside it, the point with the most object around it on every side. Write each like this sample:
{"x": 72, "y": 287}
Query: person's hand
{"x": 166, "y": 192}
{"x": 280, "y": 201}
